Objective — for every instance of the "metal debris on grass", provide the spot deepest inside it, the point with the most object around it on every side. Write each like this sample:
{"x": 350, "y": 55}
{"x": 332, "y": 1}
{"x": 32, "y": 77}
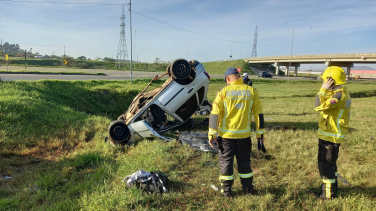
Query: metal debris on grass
{"x": 214, "y": 188}
{"x": 33, "y": 188}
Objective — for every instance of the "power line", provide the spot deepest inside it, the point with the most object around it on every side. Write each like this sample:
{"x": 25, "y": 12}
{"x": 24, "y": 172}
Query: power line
{"x": 59, "y": 11}
{"x": 54, "y": 2}
{"x": 185, "y": 29}
{"x": 54, "y": 18}
{"x": 47, "y": 24}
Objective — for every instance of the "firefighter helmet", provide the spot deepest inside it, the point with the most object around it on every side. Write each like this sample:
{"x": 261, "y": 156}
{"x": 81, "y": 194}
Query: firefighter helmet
{"x": 335, "y": 72}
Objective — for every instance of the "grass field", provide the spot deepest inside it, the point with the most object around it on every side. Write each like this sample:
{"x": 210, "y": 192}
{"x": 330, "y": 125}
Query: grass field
{"x": 217, "y": 67}
{"x": 52, "y": 132}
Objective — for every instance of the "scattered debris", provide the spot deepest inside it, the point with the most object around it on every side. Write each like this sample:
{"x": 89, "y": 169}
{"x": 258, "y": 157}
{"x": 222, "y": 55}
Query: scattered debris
{"x": 4, "y": 178}
{"x": 343, "y": 180}
{"x": 150, "y": 182}
{"x": 203, "y": 110}
{"x": 198, "y": 141}
{"x": 33, "y": 188}
{"x": 214, "y": 188}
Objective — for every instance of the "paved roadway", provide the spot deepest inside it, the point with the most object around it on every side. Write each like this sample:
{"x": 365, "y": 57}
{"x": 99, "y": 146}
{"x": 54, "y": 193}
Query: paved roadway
{"x": 110, "y": 74}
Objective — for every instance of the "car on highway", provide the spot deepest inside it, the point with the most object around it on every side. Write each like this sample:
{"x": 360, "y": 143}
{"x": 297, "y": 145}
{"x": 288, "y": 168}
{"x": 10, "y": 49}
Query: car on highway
{"x": 160, "y": 110}
{"x": 265, "y": 75}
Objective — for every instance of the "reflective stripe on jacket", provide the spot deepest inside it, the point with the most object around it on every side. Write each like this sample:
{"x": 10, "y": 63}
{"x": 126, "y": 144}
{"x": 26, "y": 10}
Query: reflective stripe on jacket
{"x": 334, "y": 107}
{"x": 232, "y": 112}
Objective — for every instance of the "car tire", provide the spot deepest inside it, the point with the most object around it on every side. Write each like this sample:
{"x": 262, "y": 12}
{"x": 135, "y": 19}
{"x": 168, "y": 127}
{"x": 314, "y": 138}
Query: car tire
{"x": 180, "y": 69}
{"x": 168, "y": 70}
{"x": 119, "y": 132}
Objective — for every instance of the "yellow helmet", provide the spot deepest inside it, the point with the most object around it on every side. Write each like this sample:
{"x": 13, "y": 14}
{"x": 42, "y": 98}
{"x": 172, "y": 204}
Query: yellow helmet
{"x": 335, "y": 72}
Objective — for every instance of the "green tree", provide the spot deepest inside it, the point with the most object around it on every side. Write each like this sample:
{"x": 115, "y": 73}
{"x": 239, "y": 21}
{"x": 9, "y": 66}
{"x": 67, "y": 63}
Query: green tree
{"x": 81, "y": 58}
{"x": 157, "y": 60}
{"x": 108, "y": 59}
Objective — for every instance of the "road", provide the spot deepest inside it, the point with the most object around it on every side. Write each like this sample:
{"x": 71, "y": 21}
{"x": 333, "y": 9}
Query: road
{"x": 110, "y": 74}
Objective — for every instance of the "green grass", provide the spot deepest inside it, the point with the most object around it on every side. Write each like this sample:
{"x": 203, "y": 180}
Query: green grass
{"x": 52, "y": 132}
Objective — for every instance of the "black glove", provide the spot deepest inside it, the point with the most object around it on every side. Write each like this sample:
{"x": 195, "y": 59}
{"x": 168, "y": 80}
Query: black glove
{"x": 260, "y": 145}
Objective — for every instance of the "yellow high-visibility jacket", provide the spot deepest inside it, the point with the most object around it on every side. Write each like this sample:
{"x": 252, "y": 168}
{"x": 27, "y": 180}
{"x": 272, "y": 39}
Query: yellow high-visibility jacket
{"x": 232, "y": 112}
{"x": 334, "y": 107}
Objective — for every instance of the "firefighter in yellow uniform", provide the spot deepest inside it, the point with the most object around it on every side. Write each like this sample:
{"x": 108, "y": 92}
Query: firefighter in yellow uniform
{"x": 334, "y": 104}
{"x": 230, "y": 128}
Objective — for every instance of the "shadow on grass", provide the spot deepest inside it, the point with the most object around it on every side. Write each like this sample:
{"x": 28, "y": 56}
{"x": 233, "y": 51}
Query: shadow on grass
{"x": 287, "y": 126}
{"x": 291, "y": 126}
{"x": 357, "y": 190}
{"x": 178, "y": 186}
{"x": 83, "y": 96}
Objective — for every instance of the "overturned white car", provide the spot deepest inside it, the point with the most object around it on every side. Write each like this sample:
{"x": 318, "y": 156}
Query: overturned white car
{"x": 157, "y": 111}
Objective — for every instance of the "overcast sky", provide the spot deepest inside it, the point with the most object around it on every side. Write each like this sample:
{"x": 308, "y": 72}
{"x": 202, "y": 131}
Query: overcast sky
{"x": 205, "y": 30}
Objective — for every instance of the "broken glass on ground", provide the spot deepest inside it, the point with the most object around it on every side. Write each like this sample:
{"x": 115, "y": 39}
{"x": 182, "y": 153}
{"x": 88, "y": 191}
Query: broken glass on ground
{"x": 198, "y": 141}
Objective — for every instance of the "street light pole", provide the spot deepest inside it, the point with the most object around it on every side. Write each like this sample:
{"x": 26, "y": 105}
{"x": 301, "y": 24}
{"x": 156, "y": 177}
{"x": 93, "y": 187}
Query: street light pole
{"x": 130, "y": 25}
{"x": 292, "y": 44}
{"x": 231, "y": 50}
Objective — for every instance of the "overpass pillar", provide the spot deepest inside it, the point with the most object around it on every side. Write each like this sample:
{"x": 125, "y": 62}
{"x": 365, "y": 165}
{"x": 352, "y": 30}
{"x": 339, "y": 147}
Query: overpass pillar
{"x": 296, "y": 69}
{"x": 348, "y": 71}
{"x": 287, "y": 70}
{"x": 276, "y": 64}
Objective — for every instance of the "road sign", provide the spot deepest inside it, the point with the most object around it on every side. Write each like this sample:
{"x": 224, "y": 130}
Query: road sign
{"x": 6, "y": 59}
{"x": 65, "y": 62}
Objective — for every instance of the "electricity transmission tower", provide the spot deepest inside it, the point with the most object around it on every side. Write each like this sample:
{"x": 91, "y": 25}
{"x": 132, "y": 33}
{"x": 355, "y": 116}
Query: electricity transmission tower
{"x": 254, "y": 50}
{"x": 122, "y": 52}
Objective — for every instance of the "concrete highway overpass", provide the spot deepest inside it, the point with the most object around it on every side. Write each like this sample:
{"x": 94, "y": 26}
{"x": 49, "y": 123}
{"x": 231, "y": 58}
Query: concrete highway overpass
{"x": 342, "y": 60}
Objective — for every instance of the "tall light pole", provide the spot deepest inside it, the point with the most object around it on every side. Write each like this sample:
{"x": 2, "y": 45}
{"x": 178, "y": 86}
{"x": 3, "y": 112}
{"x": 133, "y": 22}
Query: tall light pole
{"x": 135, "y": 38}
{"x": 292, "y": 44}
{"x": 231, "y": 50}
{"x": 130, "y": 25}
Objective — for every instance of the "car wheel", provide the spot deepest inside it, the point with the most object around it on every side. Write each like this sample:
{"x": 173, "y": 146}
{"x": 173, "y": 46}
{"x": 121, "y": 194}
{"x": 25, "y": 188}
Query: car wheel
{"x": 119, "y": 132}
{"x": 180, "y": 69}
{"x": 168, "y": 70}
